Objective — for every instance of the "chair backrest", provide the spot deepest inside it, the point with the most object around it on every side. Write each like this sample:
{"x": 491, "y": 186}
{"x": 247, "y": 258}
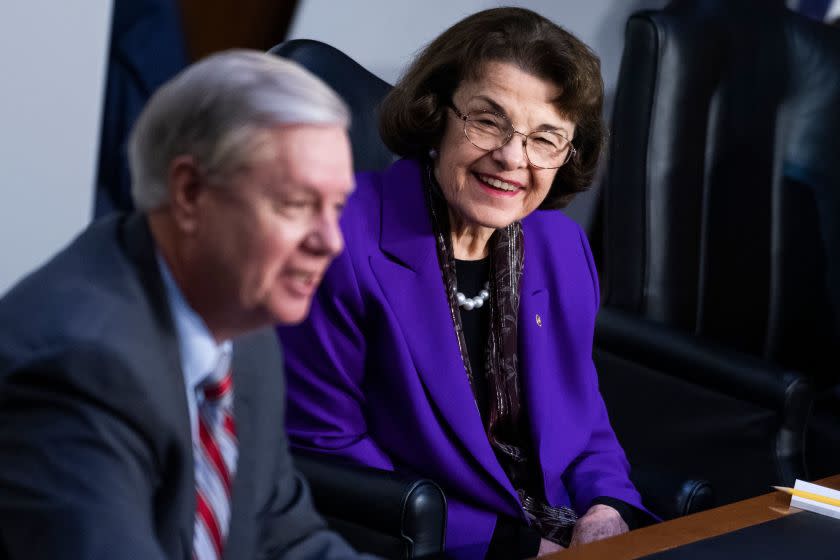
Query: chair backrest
{"x": 360, "y": 89}
{"x": 722, "y": 197}
{"x": 388, "y": 514}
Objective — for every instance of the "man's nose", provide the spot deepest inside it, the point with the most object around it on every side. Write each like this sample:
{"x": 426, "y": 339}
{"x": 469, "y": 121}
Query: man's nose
{"x": 326, "y": 237}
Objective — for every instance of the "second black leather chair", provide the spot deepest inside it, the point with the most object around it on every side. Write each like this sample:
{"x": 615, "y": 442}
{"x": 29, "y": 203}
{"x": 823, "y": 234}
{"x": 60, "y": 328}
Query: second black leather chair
{"x": 720, "y": 314}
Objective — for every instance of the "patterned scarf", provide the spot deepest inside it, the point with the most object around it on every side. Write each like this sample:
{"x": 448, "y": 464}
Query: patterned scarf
{"x": 506, "y": 428}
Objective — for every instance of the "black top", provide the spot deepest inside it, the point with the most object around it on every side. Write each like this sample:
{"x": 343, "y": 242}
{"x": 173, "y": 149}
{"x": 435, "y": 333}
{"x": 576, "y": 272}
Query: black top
{"x": 472, "y": 276}
{"x": 511, "y": 539}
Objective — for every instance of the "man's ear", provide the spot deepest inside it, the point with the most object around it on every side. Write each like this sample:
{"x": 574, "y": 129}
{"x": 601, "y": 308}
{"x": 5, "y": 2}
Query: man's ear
{"x": 185, "y": 183}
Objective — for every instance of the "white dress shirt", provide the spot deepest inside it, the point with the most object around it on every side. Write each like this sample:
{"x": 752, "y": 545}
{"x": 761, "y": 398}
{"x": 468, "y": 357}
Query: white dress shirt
{"x": 200, "y": 355}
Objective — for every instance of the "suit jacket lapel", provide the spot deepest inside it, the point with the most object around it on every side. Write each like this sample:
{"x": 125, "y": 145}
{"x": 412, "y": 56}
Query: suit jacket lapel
{"x": 249, "y": 353}
{"x": 140, "y": 249}
{"x": 409, "y": 275}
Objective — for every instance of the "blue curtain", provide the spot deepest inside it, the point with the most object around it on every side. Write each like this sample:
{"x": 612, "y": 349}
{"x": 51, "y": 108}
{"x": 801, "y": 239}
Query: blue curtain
{"x": 147, "y": 48}
{"x": 814, "y": 9}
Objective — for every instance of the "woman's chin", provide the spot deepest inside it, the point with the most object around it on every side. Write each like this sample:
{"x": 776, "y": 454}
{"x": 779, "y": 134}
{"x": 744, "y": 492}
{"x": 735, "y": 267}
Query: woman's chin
{"x": 492, "y": 220}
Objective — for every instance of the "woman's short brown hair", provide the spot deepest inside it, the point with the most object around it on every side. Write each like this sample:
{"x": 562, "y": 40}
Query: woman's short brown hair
{"x": 413, "y": 115}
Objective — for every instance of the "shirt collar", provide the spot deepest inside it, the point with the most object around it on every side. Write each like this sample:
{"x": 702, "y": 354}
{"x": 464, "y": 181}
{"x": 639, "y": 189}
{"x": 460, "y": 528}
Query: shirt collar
{"x": 199, "y": 352}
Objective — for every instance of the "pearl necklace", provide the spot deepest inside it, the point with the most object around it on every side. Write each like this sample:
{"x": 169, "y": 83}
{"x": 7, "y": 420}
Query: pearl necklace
{"x": 475, "y": 302}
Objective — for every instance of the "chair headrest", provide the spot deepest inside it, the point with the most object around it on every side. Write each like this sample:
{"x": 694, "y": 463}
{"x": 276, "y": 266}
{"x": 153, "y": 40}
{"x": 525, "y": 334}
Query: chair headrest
{"x": 360, "y": 89}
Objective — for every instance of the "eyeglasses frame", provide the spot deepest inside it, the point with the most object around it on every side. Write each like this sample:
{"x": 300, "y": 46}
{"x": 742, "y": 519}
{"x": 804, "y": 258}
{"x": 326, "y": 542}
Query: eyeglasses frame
{"x": 465, "y": 118}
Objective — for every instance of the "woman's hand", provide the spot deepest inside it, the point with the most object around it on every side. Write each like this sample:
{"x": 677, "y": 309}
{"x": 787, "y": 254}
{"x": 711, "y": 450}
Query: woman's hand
{"x": 600, "y": 522}
{"x": 547, "y": 547}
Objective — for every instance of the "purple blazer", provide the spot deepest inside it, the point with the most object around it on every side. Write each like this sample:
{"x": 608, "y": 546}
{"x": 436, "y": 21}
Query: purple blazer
{"x": 375, "y": 374}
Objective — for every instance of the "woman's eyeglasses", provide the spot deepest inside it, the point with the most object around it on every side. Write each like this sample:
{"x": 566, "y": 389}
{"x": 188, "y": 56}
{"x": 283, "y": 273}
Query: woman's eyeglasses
{"x": 490, "y": 131}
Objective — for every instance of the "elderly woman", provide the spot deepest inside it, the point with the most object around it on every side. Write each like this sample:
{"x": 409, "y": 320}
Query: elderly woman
{"x": 453, "y": 337}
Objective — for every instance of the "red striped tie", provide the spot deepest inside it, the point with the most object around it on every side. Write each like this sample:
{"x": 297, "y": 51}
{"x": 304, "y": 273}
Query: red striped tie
{"x": 215, "y": 455}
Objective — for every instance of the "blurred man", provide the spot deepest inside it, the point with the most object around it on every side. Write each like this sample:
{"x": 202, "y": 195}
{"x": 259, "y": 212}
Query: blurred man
{"x": 141, "y": 412}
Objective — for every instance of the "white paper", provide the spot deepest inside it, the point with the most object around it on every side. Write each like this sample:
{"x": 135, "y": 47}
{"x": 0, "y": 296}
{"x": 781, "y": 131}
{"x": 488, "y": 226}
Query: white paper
{"x": 811, "y": 505}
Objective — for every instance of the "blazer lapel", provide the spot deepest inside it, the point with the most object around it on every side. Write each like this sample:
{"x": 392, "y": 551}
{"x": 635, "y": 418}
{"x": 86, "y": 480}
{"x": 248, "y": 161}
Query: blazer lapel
{"x": 409, "y": 275}
{"x": 552, "y": 398}
{"x": 535, "y": 366}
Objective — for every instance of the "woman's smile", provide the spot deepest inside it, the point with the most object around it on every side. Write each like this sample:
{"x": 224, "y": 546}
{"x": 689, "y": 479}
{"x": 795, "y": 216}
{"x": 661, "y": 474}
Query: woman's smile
{"x": 496, "y": 186}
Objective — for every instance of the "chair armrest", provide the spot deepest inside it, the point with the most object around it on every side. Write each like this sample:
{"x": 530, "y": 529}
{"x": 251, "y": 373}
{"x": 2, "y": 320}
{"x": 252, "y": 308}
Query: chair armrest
{"x": 701, "y": 362}
{"x": 728, "y": 372}
{"x": 408, "y": 508}
{"x": 669, "y": 496}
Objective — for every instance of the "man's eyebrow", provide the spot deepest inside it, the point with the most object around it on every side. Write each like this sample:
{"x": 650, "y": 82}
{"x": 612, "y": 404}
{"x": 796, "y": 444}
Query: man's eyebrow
{"x": 290, "y": 186}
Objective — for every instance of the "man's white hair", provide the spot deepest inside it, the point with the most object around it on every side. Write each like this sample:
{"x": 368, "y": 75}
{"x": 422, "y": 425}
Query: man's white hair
{"x": 216, "y": 111}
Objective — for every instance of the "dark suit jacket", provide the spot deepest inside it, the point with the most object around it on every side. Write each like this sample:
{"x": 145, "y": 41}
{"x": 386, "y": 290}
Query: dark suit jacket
{"x": 95, "y": 448}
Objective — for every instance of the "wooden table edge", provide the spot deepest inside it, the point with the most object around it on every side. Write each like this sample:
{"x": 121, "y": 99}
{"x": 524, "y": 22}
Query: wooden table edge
{"x": 688, "y": 529}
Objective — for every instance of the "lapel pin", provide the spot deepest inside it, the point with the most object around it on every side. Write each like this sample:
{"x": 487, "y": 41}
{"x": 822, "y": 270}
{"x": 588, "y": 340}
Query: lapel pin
{"x": 539, "y": 320}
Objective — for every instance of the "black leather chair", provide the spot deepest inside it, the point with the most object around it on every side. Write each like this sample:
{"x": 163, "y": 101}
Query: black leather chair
{"x": 385, "y": 513}
{"x": 718, "y": 245}
{"x": 361, "y": 90}
{"x": 394, "y": 514}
